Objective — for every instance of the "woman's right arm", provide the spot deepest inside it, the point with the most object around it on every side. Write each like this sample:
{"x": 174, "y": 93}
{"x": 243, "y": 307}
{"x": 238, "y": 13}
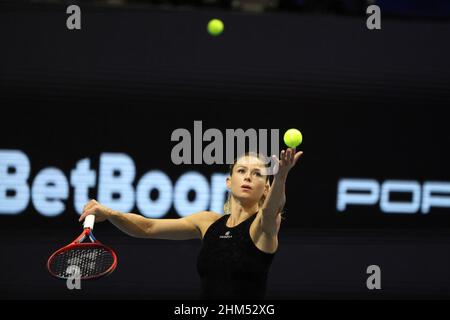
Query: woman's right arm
{"x": 137, "y": 226}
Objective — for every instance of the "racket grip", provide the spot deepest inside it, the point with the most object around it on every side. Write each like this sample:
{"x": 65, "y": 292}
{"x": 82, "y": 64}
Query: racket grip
{"x": 89, "y": 221}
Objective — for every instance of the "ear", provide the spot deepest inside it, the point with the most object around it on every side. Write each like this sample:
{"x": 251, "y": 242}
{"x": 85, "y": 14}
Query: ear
{"x": 229, "y": 183}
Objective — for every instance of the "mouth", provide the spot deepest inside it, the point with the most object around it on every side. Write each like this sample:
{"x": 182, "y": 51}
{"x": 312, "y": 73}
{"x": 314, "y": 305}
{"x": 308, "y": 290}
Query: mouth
{"x": 246, "y": 187}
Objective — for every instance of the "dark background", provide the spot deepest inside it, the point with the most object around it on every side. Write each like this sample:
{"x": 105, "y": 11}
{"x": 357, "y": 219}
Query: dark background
{"x": 370, "y": 104}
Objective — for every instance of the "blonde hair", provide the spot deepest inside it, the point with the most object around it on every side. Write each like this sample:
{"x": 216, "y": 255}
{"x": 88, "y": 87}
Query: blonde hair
{"x": 227, "y": 205}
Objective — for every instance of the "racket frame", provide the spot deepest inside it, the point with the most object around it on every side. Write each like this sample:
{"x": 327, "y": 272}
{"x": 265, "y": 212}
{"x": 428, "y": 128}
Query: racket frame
{"x": 78, "y": 243}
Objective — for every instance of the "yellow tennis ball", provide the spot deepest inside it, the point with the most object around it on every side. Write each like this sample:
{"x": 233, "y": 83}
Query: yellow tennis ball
{"x": 293, "y": 138}
{"x": 215, "y": 27}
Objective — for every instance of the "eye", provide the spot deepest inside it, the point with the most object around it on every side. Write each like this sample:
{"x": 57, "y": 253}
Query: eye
{"x": 241, "y": 170}
{"x": 258, "y": 174}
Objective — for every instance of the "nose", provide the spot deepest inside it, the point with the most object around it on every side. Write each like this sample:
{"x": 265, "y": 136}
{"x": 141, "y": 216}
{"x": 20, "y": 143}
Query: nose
{"x": 247, "y": 177}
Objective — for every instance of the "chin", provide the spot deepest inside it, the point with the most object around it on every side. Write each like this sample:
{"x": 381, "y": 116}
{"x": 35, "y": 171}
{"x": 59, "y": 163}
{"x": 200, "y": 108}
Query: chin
{"x": 247, "y": 198}
{"x": 246, "y": 195}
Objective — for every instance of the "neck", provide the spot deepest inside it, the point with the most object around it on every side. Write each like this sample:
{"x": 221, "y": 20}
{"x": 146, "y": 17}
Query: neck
{"x": 241, "y": 211}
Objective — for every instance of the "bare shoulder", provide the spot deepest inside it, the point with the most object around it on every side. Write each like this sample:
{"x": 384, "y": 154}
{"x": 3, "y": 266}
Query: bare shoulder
{"x": 203, "y": 216}
{"x": 203, "y": 220}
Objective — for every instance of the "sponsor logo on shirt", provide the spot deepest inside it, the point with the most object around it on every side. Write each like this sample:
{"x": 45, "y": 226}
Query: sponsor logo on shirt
{"x": 226, "y": 236}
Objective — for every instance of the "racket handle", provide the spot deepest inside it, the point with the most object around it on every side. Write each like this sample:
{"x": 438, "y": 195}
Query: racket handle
{"x": 89, "y": 221}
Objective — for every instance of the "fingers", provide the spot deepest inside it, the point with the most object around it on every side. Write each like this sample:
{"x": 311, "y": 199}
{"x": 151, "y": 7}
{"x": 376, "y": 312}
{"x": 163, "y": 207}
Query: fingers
{"x": 288, "y": 156}
{"x": 297, "y": 156}
{"x": 89, "y": 208}
{"x": 90, "y": 204}
{"x": 85, "y": 214}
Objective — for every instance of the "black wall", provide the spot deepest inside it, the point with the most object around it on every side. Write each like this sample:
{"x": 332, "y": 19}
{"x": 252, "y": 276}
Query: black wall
{"x": 370, "y": 104}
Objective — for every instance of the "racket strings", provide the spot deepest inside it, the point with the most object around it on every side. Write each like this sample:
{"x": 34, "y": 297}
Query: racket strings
{"x": 85, "y": 262}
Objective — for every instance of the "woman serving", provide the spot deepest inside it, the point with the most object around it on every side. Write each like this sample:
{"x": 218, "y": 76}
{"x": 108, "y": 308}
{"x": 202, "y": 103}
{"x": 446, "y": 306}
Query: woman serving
{"x": 237, "y": 247}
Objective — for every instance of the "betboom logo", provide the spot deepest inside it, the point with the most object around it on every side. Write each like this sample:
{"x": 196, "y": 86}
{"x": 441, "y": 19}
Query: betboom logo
{"x": 117, "y": 172}
{"x": 368, "y": 192}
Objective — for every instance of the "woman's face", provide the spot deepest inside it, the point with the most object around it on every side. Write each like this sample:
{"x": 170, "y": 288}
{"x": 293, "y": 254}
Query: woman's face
{"x": 248, "y": 180}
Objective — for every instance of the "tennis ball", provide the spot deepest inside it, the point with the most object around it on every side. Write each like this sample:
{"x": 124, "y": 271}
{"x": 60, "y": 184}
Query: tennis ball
{"x": 215, "y": 27}
{"x": 293, "y": 138}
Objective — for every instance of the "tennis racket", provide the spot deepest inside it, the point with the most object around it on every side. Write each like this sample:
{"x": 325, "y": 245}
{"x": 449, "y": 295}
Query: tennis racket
{"x": 93, "y": 259}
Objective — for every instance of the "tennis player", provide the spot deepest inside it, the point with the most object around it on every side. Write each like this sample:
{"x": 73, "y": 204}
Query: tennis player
{"x": 238, "y": 246}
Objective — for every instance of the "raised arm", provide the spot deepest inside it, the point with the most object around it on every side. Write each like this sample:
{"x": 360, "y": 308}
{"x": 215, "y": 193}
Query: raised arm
{"x": 190, "y": 227}
{"x": 276, "y": 198}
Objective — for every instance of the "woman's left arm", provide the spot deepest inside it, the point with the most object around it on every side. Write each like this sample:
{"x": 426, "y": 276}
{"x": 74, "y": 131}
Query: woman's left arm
{"x": 276, "y": 198}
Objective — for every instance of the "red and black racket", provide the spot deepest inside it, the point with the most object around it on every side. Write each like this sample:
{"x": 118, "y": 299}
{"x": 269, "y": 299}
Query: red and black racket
{"x": 93, "y": 259}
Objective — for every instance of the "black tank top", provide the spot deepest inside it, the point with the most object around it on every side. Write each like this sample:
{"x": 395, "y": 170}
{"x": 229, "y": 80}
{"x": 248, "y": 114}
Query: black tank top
{"x": 230, "y": 265}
